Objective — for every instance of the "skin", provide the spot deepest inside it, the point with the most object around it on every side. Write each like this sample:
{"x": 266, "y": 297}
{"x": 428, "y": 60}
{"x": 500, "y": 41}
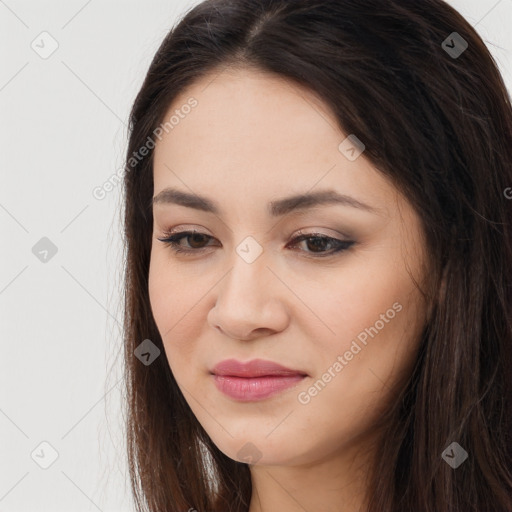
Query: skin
{"x": 254, "y": 138}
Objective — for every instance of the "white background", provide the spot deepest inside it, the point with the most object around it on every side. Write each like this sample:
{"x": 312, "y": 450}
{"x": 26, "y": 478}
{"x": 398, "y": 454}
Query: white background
{"x": 63, "y": 132}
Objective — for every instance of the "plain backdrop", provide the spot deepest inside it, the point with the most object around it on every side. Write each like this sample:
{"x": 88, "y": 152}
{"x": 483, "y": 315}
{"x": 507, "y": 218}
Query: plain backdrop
{"x": 63, "y": 133}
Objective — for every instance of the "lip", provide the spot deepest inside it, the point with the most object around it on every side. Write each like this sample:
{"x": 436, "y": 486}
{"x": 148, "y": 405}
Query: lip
{"x": 255, "y": 380}
{"x": 253, "y": 368}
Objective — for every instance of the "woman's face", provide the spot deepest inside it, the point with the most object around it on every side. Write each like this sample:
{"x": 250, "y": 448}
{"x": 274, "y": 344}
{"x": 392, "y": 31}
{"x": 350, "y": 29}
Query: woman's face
{"x": 348, "y": 321}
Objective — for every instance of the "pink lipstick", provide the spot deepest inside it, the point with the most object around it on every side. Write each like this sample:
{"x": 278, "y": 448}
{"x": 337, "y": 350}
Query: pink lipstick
{"x": 255, "y": 380}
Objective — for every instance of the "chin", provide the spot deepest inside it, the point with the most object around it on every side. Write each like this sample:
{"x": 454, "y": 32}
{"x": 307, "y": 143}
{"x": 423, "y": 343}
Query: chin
{"x": 257, "y": 450}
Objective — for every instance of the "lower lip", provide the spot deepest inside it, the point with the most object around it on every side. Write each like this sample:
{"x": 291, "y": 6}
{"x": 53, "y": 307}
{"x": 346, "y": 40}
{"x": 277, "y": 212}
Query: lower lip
{"x": 255, "y": 388}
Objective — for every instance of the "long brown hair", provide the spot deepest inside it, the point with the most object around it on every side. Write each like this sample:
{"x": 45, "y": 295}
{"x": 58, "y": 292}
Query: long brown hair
{"x": 436, "y": 119}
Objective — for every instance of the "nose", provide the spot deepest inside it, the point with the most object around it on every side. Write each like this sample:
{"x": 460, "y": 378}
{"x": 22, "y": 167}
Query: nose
{"x": 251, "y": 301}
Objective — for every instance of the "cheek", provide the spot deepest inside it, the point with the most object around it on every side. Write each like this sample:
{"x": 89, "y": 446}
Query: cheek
{"x": 374, "y": 315}
{"x": 377, "y": 322}
{"x": 172, "y": 294}
{"x": 354, "y": 298}
{"x": 179, "y": 307}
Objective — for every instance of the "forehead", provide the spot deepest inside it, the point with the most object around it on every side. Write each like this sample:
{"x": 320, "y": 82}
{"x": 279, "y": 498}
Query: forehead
{"x": 239, "y": 110}
{"x": 255, "y": 132}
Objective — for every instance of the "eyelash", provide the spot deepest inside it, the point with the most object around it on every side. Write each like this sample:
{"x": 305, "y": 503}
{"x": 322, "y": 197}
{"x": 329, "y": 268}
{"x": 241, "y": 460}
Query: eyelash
{"x": 173, "y": 240}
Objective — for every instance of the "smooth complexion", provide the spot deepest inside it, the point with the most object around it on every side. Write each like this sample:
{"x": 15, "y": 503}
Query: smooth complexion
{"x": 255, "y": 138}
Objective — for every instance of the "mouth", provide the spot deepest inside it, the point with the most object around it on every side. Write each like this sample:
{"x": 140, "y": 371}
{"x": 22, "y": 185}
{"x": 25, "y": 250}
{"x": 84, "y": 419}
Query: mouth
{"x": 255, "y": 380}
{"x": 250, "y": 389}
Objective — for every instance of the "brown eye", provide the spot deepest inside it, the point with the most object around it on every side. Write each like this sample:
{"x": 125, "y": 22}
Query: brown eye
{"x": 196, "y": 241}
{"x": 318, "y": 243}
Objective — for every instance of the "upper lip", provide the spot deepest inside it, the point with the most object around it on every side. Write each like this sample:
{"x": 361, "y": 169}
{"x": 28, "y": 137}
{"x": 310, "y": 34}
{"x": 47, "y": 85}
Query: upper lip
{"x": 254, "y": 368}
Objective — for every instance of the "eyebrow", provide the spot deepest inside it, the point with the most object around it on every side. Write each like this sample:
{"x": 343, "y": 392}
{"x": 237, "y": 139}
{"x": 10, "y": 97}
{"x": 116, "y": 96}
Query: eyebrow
{"x": 275, "y": 208}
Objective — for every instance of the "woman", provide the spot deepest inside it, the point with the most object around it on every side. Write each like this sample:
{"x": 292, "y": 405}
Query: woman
{"x": 318, "y": 229}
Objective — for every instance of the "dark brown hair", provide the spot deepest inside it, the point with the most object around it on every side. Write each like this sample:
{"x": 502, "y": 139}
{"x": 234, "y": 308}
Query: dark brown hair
{"x": 439, "y": 126}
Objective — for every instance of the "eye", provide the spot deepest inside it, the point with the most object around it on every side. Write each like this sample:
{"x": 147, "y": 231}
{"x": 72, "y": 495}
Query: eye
{"x": 197, "y": 239}
{"x": 318, "y": 242}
